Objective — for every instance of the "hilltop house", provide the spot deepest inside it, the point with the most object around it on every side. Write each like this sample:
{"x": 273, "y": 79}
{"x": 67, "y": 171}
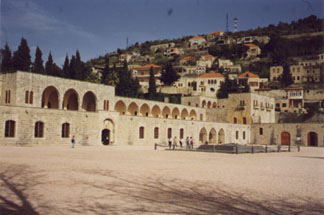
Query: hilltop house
{"x": 163, "y": 46}
{"x": 253, "y": 80}
{"x": 143, "y": 74}
{"x": 253, "y": 51}
{"x": 197, "y": 41}
{"x": 215, "y": 34}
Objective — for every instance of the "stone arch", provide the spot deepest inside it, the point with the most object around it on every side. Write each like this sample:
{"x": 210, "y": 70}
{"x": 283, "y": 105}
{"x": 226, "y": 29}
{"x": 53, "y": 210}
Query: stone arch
{"x": 203, "y": 135}
{"x": 156, "y": 111}
{"x": 184, "y": 113}
{"x": 214, "y": 104}
{"x": 71, "y": 100}
{"x": 175, "y": 113}
{"x": 145, "y": 110}
{"x": 221, "y": 136}
{"x": 312, "y": 139}
{"x": 203, "y": 104}
{"x": 50, "y": 98}
{"x": 212, "y": 136}
{"x": 120, "y": 107}
{"x": 108, "y": 130}
{"x": 89, "y": 102}
{"x": 209, "y": 104}
{"x": 193, "y": 115}
{"x": 285, "y": 138}
{"x": 166, "y": 112}
{"x": 132, "y": 109}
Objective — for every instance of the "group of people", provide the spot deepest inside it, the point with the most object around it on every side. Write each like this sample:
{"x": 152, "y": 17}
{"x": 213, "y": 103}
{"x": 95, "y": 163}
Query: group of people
{"x": 174, "y": 143}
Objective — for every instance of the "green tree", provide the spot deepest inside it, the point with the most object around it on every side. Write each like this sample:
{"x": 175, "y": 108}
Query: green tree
{"x": 78, "y": 67}
{"x": 21, "y": 58}
{"x": 286, "y": 78}
{"x": 72, "y": 69}
{"x": 169, "y": 75}
{"x": 106, "y": 71}
{"x": 152, "y": 85}
{"x": 38, "y": 66}
{"x": 6, "y": 63}
{"x": 123, "y": 87}
{"x": 66, "y": 66}
{"x": 49, "y": 66}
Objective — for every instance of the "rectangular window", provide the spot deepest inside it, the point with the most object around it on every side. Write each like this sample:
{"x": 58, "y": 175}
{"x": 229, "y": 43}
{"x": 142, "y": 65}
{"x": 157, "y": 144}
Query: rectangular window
{"x": 31, "y": 99}
{"x": 236, "y": 135}
{"x": 156, "y": 133}
{"x": 39, "y": 129}
{"x": 26, "y": 97}
{"x": 141, "y": 132}
{"x": 201, "y": 117}
{"x": 65, "y": 130}
{"x": 261, "y": 131}
{"x": 181, "y": 133}
{"x": 243, "y": 135}
{"x": 244, "y": 120}
{"x": 169, "y": 133}
{"x": 10, "y": 128}
{"x": 7, "y": 101}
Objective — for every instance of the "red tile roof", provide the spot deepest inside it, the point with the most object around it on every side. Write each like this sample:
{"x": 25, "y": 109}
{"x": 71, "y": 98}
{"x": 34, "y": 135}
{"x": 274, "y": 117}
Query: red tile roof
{"x": 208, "y": 56}
{"x": 211, "y": 75}
{"x": 248, "y": 75}
{"x": 186, "y": 58}
{"x": 148, "y": 66}
{"x": 250, "y": 45}
{"x": 217, "y": 32}
{"x": 294, "y": 88}
{"x": 197, "y": 38}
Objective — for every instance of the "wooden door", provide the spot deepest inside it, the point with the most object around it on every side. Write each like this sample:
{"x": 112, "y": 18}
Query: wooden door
{"x": 285, "y": 138}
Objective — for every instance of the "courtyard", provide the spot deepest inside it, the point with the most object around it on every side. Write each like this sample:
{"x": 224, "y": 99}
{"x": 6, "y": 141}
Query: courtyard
{"x": 139, "y": 180}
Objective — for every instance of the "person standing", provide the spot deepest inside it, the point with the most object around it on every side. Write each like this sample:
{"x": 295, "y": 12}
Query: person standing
{"x": 175, "y": 142}
{"x": 73, "y": 141}
{"x": 188, "y": 143}
{"x": 170, "y": 143}
{"x": 191, "y": 142}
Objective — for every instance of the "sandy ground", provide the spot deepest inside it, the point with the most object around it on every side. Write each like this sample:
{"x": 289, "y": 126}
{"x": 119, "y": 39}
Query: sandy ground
{"x": 139, "y": 180}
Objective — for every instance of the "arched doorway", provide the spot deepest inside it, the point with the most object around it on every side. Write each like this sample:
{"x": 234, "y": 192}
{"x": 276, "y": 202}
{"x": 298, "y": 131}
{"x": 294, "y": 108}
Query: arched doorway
{"x": 120, "y": 107}
{"x": 156, "y": 111}
{"x": 71, "y": 100}
{"x": 89, "y": 102}
{"x": 108, "y": 132}
{"x": 105, "y": 136}
{"x": 285, "y": 138}
{"x": 145, "y": 110}
{"x": 50, "y": 98}
{"x": 221, "y": 136}
{"x": 203, "y": 136}
{"x": 212, "y": 136}
{"x": 133, "y": 109}
{"x": 193, "y": 115}
{"x": 312, "y": 139}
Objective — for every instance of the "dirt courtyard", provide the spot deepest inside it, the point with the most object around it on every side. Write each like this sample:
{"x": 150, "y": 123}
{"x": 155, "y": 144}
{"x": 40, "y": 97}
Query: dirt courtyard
{"x": 139, "y": 180}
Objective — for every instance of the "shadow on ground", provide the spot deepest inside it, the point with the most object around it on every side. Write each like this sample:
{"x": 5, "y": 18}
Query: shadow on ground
{"x": 105, "y": 192}
{"x": 16, "y": 190}
{"x": 160, "y": 196}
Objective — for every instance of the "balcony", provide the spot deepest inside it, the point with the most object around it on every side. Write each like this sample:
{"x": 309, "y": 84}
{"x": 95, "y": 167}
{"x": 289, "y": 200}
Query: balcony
{"x": 255, "y": 107}
{"x": 240, "y": 107}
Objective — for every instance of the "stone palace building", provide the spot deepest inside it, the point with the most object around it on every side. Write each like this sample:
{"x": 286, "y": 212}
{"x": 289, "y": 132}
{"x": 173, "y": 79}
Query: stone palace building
{"x": 40, "y": 109}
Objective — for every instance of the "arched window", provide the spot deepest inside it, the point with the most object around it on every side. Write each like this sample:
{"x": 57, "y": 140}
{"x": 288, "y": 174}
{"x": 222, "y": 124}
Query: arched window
{"x": 10, "y": 128}
{"x": 65, "y": 130}
{"x": 237, "y": 135}
{"x": 235, "y": 120}
{"x": 39, "y": 129}
{"x": 141, "y": 132}
{"x": 156, "y": 133}
{"x": 26, "y": 97}
{"x": 31, "y": 94}
{"x": 244, "y": 120}
{"x": 243, "y": 135}
{"x": 169, "y": 132}
{"x": 106, "y": 105}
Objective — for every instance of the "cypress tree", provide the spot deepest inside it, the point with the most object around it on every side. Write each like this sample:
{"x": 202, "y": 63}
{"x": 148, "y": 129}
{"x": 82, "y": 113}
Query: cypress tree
{"x": 21, "y": 58}
{"x": 66, "y": 67}
{"x": 78, "y": 67}
{"x": 72, "y": 70}
{"x": 49, "y": 66}
{"x": 38, "y": 66}
{"x": 152, "y": 86}
{"x": 169, "y": 75}
{"x": 105, "y": 72}
{"x": 286, "y": 77}
{"x": 6, "y": 63}
{"x": 123, "y": 88}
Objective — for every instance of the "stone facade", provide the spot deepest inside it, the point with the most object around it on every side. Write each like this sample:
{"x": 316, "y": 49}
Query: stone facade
{"x": 39, "y": 109}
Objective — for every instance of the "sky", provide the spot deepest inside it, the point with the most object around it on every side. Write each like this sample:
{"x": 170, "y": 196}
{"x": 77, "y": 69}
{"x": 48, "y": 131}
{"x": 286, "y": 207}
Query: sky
{"x": 96, "y": 27}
